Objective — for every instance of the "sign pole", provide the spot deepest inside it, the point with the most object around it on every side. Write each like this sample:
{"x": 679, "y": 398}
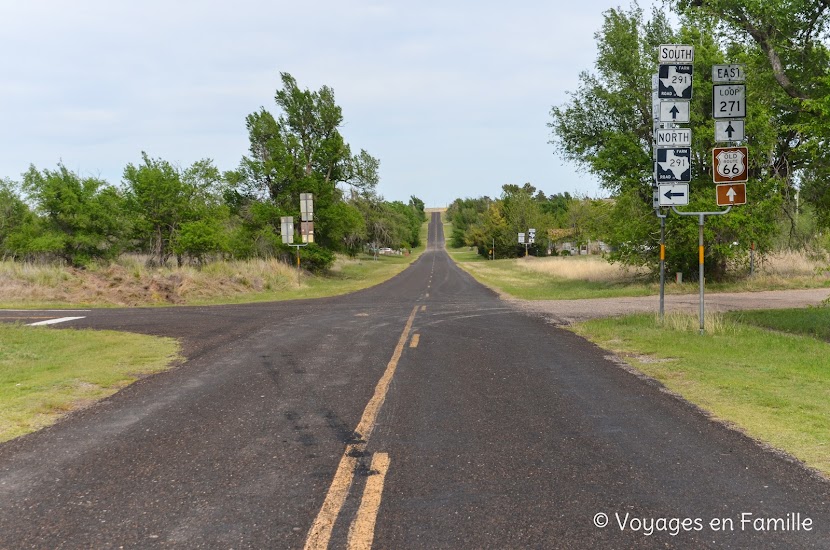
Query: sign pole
{"x": 701, "y": 220}
{"x": 701, "y": 277}
{"x": 662, "y": 264}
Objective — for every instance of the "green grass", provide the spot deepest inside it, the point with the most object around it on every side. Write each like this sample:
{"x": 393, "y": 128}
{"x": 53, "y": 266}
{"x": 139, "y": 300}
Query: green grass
{"x": 367, "y": 271}
{"x": 814, "y": 321}
{"x": 773, "y": 386}
{"x": 45, "y": 373}
{"x": 509, "y": 276}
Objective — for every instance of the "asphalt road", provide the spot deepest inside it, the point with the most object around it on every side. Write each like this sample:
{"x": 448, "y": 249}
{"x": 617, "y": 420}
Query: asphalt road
{"x": 421, "y": 413}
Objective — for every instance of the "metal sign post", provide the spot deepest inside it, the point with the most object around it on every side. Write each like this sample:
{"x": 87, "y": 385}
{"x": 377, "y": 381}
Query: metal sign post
{"x": 700, "y": 250}
{"x": 287, "y": 230}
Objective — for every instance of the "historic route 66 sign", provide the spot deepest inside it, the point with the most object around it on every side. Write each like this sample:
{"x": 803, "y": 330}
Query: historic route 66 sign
{"x": 730, "y": 164}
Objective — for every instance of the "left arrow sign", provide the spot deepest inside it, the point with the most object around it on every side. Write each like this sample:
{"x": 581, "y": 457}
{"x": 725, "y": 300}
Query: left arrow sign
{"x": 676, "y": 194}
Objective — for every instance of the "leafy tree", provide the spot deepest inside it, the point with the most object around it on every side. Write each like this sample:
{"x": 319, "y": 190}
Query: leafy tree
{"x": 14, "y": 215}
{"x": 606, "y": 127}
{"x": 169, "y": 207}
{"x": 786, "y": 46}
{"x": 302, "y": 151}
{"x": 80, "y": 218}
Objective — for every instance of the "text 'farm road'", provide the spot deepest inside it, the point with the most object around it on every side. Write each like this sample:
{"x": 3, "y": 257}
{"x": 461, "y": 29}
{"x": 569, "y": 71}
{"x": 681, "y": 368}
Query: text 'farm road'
{"x": 421, "y": 413}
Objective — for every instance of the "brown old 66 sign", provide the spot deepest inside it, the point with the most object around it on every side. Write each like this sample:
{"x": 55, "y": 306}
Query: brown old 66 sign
{"x": 729, "y": 164}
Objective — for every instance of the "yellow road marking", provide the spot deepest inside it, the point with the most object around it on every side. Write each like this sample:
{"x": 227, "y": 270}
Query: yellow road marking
{"x": 362, "y": 531}
{"x": 423, "y": 308}
{"x": 415, "y": 339}
{"x": 320, "y": 532}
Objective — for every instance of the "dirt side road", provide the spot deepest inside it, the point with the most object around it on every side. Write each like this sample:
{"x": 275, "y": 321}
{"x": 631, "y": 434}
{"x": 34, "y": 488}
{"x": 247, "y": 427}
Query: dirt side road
{"x": 565, "y": 312}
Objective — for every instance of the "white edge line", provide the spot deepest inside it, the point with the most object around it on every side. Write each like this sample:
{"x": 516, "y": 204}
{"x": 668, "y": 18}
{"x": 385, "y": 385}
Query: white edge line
{"x": 42, "y": 310}
{"x": 54, "y": 321}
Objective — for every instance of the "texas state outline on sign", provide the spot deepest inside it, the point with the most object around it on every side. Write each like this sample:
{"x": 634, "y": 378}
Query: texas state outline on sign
{"x": 674, "y": 165}
{"x": 675, "y": 83}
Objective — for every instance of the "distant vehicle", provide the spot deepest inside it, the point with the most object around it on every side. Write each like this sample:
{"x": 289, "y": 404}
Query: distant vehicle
{"x": 385, "y": 251}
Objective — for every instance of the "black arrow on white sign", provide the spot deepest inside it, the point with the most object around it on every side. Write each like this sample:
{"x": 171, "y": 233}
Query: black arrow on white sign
{"x": 671, "y": 194}
{"x": 674, "y": 112}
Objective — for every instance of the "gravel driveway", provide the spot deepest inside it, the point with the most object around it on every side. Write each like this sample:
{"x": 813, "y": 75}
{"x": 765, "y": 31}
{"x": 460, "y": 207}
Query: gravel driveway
{"x": 564, "y": 312}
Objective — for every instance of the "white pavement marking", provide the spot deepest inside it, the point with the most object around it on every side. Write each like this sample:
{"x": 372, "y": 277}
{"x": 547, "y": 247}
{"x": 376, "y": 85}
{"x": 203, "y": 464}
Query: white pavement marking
{"x": 54, "y": 321}
{"x": 43, "y": 310}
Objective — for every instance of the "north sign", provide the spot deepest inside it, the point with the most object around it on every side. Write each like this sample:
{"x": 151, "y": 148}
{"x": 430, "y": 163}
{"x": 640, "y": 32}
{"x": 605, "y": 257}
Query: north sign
{"x": 673, "y": 165}
{"x": 673, "y": 194}
{"x": 731, "y": 194}
{"x": 729, "y": 130}
{"x": 674, "y": 137}
{"x": 676, "y": 111}
{"x": 729, "y": 101}
{"x": 730, "y": 164}
{"x": 675, "y": 82}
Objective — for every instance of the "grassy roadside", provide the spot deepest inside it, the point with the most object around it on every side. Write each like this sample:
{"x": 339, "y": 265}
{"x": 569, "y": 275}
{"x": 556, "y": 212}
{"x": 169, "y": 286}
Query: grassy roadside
{"x": 578, "y": 277}
{"x": 129, "y": 283}
{"x": 773, "y": 386}
{"x": 46, "y": 373}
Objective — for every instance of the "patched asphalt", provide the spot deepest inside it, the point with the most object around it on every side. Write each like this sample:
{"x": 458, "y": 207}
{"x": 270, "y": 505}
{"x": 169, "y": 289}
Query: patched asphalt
{"x": 502, "y": 431}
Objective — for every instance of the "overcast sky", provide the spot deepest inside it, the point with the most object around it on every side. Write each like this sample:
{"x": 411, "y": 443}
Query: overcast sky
{"x": 452, "y": 96}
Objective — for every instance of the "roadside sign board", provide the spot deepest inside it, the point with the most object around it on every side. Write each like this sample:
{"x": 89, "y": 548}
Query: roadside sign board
{"x": 521, "y": 238}
{"x": 306, "y": 207}
{"x": 287, "y": 229}
{"x": 676, "y": 111}
{"x": 730, "y": 130}
{"x": 673, "y": 194}
{"x": 728, "y": 73}
{"x": 673, "y": 137}
{"x": 673, "y": 165}
{"x": 730, "y": 164}
{"x": 675, "y": 53}
{"x": 675, "y": 82}
{"x": 729, "y": 101}
{"x": 731, "y": 194}
{"x": 531, "y": 236}
{"x": 307, "y": 231}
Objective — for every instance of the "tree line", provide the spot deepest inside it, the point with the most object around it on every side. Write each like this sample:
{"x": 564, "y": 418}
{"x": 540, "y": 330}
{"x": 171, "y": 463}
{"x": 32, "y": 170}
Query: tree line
{"x": 492, "y": 225}
{"x": 606, "y": 127}
{"x": 199, "y": 213}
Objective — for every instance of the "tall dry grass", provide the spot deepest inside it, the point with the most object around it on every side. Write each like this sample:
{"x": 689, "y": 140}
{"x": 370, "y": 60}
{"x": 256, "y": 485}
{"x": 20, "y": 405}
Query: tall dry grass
{"x": 129, "y": 282}
{"x": 713, "y": 322}
{"x": 789, "y": 263}
{"x": 583, "y": 268}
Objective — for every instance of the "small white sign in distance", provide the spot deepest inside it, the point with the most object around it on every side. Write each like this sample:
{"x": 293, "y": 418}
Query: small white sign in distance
{"x": 675, "y": 53}
{"x": 287, "y": 229}
{"x": 674, "y": 137}
{"x": 730, "y": 130}
{"x": 673, "y": 194}
{"x": 521, "y": 238}
{"x": 729, "y": 101}
{"x": 674, "y": 111}
{"x": 728, "y": 73}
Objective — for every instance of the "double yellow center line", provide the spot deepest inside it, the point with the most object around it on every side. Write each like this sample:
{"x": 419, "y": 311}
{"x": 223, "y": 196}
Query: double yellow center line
{"x": 361, "y": 532}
